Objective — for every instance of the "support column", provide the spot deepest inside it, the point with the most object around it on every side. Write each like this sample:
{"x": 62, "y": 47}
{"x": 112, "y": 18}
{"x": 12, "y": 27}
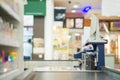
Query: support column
{"x": 20, "y": 38}
{"x": 49, "y": 19}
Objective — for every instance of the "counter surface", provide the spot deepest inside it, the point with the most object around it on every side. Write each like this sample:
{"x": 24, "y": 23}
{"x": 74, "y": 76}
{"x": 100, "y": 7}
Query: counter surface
{"x": 68, "y": 75}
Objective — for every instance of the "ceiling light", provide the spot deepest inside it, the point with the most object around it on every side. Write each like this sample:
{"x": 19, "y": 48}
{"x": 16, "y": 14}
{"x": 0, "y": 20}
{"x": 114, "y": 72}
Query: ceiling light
{"x": 73, "y": 11}
{"x": 75, "y": 6}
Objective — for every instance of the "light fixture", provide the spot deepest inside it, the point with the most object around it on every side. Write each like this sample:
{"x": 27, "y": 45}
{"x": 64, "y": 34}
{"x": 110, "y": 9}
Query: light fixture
{"x": 87, "y": 8}
{"x": 73, "y": 11}
{"x": 75, "y": 6}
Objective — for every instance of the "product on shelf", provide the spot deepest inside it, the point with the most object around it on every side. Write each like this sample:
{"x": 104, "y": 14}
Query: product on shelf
{"x": 12, "y": 56}
{"x": 2, "y": 56}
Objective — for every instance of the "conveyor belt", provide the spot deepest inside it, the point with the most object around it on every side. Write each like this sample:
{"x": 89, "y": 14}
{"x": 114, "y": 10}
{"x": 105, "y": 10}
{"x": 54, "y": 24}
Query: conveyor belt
{"x": 68, "y": 75}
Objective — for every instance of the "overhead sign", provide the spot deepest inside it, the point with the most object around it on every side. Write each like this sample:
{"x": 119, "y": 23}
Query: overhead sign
{"x": 35, "y": 7}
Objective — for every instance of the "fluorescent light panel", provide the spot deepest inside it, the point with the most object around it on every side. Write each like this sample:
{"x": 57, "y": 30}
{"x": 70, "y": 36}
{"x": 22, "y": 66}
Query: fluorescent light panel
{"x": 75, "y": 6}
{"x": 73, "y": 11}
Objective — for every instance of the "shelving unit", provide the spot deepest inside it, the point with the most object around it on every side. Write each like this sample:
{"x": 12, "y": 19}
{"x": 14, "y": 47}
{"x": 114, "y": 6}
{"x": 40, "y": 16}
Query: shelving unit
{"x": 9, "y": 42}
{"x": 11, "y": 37}
{"x": 8, "y": 12}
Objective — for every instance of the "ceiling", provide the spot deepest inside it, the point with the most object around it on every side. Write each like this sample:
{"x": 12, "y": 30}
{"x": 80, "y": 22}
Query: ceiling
{"x": 95, "y": 4}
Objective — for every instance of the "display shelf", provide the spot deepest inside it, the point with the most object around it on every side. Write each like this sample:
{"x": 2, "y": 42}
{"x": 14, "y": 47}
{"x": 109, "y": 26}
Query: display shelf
{"x": 11, "y": 35}
{"x": 8, "y": 65}
{"x": 8, "y": 76}
{"x": 7, "y": 11}
{"x": 9, "y": 42}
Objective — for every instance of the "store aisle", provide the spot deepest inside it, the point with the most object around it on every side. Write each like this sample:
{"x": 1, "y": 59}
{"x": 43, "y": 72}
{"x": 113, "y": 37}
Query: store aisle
{"x": 68, "y": 75}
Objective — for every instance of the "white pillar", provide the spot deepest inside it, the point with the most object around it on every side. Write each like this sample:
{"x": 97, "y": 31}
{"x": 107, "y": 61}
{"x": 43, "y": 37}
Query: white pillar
{"x": 49, "y": 19}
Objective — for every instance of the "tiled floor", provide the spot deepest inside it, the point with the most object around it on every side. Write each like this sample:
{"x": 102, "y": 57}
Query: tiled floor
{"x": 68, "y": 75}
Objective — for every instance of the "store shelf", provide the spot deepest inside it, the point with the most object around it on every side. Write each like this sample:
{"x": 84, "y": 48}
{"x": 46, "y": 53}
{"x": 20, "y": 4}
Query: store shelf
{"x": 4, "y": 41}
{"x": 7, "y": 11}
{"x": 10, "y": 75}
{"x": 11, "y": 13}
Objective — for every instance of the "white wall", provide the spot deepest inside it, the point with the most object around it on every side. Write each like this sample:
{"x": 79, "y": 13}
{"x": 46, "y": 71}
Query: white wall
{"x": 111, "y": 7}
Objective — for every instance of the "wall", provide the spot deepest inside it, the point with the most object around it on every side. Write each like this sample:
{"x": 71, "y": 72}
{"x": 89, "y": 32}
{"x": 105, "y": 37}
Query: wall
{"x": 74, "y": 15}
{"x": 110, "y": 8}
{"x": 38, "y": 27}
